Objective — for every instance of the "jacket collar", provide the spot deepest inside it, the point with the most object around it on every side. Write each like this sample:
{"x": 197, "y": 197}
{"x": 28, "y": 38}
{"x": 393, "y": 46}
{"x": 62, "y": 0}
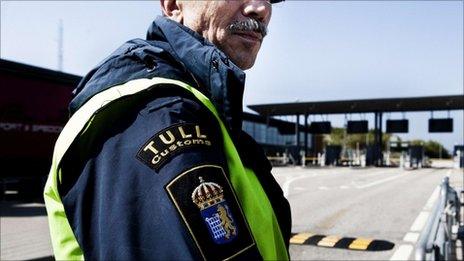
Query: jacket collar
{"x": 217, "y": 77}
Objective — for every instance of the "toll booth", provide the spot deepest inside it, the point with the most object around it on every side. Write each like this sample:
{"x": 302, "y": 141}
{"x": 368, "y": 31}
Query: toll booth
{"x": 416, "y": 155}
{"x": 373, "y": 155}
{"x": 293, "y": 154}
{"x": 375, "y": 106}
{"x": 332, "y": 155}
{"x": 458, "y": 155}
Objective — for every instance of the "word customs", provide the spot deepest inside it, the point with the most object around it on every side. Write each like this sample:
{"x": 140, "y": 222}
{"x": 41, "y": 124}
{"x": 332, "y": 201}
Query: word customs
{"x": 170, "y": 141}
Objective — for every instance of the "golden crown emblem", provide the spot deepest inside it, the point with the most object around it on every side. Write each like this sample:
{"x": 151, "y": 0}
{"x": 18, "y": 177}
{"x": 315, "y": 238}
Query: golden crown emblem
{"x": 207, "y": 194}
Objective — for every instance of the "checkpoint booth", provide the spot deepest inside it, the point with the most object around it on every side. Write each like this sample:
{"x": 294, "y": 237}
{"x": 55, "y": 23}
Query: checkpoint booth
{"x": 332, "y": 155}
{"x": 458, "y": 156}
{"x": 416, "y": 156}
{"x": 378, "y": 107}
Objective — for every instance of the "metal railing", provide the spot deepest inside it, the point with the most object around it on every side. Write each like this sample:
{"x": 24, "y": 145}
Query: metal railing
{"x": 437, "y": 238}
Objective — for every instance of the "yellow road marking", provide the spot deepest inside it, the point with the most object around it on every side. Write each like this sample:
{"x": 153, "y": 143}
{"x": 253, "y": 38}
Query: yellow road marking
{"x": 300, "y": 238}
{"x": 360, "y": 244}
{"x": 329, "y": 241}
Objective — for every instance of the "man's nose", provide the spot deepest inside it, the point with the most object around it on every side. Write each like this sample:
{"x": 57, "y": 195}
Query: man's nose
{"x": 258, "y": 9}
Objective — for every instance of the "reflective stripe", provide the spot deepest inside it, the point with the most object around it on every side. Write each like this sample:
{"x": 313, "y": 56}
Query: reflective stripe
{"x": 257, "y": 208}
{"x": 255, "y": 203}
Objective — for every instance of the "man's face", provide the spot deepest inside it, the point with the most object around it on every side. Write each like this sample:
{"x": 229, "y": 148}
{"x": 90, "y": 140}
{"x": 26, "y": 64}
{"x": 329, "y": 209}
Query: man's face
{"x": 236, "y": 27}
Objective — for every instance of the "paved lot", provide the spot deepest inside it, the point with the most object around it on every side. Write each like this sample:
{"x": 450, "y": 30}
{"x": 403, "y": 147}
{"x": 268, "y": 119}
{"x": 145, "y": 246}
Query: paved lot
{"x": 24, "y": 231}
{"x": 378, "y": 203}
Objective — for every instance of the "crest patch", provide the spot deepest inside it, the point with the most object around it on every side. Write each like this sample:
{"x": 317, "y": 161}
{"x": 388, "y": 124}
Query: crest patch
{"x": 215, "y": 211}
{"x": 209, "y": 208}
{"x": 170, "y": 142}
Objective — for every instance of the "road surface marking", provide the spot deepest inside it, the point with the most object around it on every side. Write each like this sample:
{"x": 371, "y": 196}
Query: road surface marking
{"x": 420, "y": 221}
{"x": 402, "y": 253}
{"x": 411, "y": 237}
{"x": 288, "y": 183}
{"x": 323, "y": 188}
{"x": 432, "y": 199}
{"x": 375, "y": 172}
{"x": 379, "y": 181}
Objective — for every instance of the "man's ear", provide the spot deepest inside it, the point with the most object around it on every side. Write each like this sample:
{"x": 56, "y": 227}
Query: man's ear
{"x": 172, "y": 9}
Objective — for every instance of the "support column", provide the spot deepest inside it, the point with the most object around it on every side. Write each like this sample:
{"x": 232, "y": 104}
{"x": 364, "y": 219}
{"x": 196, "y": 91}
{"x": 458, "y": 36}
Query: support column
{"x": 297, "y": 130}
{"x": 374, "y": 150}
{"x": 267, "y": 130}
{"x": 380, "y": 141}
{"x": 378, "y": 157}
{"x": 297, "y": 138}
{"x": 375, "y": 128}
{"x": 306, "y": 134}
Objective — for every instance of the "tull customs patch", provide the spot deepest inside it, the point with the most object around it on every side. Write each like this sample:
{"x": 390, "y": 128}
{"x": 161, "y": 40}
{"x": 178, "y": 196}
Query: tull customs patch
{"x": 207, "y": 204}
{"x": 171, "y": 141}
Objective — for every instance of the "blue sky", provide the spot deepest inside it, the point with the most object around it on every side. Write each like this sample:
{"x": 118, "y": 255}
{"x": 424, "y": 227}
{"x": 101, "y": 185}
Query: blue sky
{"x": 315, "y": 51}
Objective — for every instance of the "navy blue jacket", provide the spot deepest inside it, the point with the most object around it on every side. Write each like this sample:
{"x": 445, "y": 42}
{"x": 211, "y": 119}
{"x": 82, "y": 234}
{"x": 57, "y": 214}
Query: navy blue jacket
{"x": 116, "y": 201}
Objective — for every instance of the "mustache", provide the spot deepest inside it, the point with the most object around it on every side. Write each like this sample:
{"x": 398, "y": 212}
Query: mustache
{"x": 249, "y": 25}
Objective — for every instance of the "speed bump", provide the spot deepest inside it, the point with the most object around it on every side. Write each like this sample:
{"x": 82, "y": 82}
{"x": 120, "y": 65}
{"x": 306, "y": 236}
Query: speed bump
{"x": 360, "y": 244}
{"x": 352, "y": 243}
{"x": 300, "y": 238}
{"x": 328, "y": 241}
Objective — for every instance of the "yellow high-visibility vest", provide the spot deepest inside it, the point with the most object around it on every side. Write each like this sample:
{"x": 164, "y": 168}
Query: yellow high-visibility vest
{"x": 254, "y": 201}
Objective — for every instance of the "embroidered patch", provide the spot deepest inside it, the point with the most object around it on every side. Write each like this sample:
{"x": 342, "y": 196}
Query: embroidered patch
{"x": 207, "y": 204}
{"x": 209, "y": 197}
{"x": 171, "y": 141}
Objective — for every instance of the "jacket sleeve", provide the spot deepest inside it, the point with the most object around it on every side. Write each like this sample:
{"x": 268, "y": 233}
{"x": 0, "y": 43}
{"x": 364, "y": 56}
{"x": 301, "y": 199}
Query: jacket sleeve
{"x": 151, "y": 182}
{"x": 253, "y": 157}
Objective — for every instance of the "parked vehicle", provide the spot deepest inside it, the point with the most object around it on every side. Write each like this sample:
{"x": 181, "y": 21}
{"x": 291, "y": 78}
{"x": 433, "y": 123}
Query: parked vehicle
{"x": 33, "y": 111}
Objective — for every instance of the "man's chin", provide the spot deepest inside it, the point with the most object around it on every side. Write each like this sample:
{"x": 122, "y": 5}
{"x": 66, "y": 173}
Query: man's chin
{"x": 244, "y": 64}
{"x": 244, "y": 60}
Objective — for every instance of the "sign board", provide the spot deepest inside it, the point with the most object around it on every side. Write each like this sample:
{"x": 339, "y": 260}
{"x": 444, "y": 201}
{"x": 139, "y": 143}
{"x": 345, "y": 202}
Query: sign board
{"x": 357, "y": 127}
{"x": 320, "y": 127}
{"x": 397, "y": 126}
{"x": 441, "y": 125}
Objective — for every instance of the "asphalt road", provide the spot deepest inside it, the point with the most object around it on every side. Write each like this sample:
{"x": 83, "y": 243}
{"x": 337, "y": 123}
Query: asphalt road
{"x": 376, "y": 203}
{"x": 24, "y": 231}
